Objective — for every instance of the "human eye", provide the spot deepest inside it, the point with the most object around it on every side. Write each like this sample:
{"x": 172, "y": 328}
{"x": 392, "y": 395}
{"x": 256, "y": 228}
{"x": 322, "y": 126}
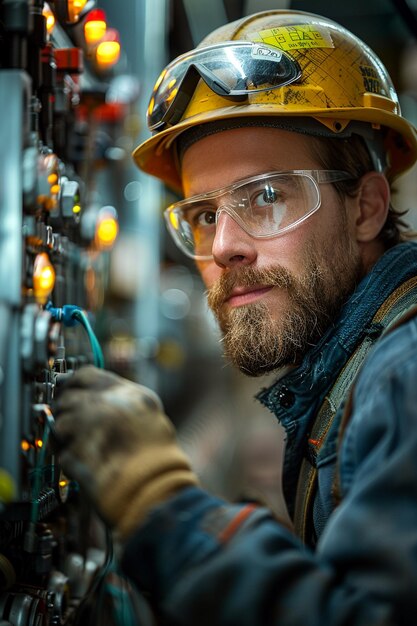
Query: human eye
{"x": 201, "y": 216}
{"x": 266, "y": 196}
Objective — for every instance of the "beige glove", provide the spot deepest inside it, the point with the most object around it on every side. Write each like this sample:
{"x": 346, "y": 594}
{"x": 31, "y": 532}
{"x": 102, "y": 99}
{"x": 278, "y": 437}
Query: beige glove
{"x": 119, "y": 445}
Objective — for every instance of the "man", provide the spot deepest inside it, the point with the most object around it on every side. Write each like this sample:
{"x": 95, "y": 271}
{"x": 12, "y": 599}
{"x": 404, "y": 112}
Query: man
{"x": 284, "y": 132}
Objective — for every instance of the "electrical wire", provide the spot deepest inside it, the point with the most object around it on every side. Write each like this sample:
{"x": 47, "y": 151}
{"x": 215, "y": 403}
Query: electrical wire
{"x": 70, "y": 315}
{"x": 123, "y": 611}
{"x": 82, "y": 318}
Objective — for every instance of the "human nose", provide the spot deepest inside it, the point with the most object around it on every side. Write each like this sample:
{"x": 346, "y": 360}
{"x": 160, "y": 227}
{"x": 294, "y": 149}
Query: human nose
{"x": 232, "y": 245}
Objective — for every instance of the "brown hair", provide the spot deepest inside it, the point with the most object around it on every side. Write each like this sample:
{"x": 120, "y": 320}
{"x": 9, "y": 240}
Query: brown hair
{"x": 352, "y": 155}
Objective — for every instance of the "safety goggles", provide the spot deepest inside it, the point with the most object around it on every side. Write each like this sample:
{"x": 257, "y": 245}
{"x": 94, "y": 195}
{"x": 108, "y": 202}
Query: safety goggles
{"x": 263, "y": 206}
{"x": 232, "y": 70}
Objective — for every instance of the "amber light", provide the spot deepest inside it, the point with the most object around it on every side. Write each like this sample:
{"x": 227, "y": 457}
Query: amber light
{"x": 49, "y": 16}
{"x": 74, "y": 9}
{"x": 43, "y": 277}
{"x": 107, "y": 231}
{"x": 108, "y": 50}
{"x": 95, "y": 26}
{"x": 107, "y": 228}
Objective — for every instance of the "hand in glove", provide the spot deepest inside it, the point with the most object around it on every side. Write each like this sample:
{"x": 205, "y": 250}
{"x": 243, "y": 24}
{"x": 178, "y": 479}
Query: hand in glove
{"x": 119, "y": 445}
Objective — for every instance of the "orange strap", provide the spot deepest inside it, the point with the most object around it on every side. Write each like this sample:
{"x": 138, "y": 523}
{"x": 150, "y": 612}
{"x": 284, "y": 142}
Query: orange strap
{"x": 233, "y": 526}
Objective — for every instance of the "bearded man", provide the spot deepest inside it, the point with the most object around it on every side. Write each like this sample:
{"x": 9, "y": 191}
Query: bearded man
{"x": 285, "y": 152}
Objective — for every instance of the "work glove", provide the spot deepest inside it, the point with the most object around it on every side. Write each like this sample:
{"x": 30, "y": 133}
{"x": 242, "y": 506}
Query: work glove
{"x": 118, "y": 444}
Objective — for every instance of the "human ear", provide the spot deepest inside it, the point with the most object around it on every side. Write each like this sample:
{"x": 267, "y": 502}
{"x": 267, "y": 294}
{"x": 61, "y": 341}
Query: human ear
{"x": 373, "y": 203}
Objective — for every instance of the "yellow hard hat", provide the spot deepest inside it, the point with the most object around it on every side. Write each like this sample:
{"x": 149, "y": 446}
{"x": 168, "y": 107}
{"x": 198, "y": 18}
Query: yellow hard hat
{"x": 286, "y": 64}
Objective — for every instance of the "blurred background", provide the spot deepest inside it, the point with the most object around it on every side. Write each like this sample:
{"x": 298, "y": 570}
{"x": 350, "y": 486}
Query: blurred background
{"x": 152, "y": 319}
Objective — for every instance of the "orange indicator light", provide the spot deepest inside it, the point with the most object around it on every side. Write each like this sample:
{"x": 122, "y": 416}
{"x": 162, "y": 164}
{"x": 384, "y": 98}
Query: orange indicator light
{"x": 95, "y": 26}
{"x": 108, "y": 50}
{"x": 50, "y": 18}
{"x": 43, "y": 277}
{"x": 107, "y": 228}
{"x": 107, "y": 232}
{"x": 74, "y": 9}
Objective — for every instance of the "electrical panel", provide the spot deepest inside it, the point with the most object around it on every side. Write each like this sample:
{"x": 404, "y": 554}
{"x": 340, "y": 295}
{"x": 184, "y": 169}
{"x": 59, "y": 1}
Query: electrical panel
{"x": 55, "y": 237}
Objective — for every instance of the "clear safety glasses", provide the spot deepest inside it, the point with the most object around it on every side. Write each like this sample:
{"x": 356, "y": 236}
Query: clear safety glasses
{"x": 263, "y": 206}
{"x": 232, "y": 70}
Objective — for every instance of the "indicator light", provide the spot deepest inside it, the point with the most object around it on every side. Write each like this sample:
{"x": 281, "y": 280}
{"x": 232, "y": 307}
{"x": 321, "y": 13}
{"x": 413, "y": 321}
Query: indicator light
{"x": 74, "y": 8}
{"x": 43, "y": 277}
{"x": 95, "y": 26}
{"x": 39, "y": 443}
{"x": 107, "y": 231}
{"x": 25, "y": 445}
{"x": 63, "y": 487}
{"x": 107, "y": 228}
{"x": 49, "y": 16}
{"x": 108, "y": 50}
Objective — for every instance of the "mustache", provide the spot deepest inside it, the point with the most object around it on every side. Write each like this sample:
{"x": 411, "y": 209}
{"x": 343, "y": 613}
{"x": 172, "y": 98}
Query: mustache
{"x": 273, "y": 276}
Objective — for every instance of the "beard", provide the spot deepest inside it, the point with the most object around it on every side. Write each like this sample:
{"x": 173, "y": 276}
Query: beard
{"x": 258, "y": 340}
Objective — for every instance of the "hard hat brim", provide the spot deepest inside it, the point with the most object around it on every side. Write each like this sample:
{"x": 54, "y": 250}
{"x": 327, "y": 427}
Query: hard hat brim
{"x": 157, "y": 155}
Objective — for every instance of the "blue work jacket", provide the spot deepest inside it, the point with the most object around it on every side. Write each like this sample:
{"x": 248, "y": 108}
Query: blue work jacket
{"x": 203, "y": 561}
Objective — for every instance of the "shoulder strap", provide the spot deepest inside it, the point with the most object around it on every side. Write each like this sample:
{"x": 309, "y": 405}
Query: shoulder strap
{"x": 347, "y": 411}
{"x": 397, "y": 308}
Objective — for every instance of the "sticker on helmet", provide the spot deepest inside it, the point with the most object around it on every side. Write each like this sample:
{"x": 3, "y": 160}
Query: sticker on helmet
{"x": 297, "y": 37}
{"x": 371, "y": 80}
{"x": 262, "y": 52}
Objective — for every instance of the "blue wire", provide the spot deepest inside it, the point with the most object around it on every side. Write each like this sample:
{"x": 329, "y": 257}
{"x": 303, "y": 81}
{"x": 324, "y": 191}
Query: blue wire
{"x": 81, "y": 317}
{"x": 70, "y": 315}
